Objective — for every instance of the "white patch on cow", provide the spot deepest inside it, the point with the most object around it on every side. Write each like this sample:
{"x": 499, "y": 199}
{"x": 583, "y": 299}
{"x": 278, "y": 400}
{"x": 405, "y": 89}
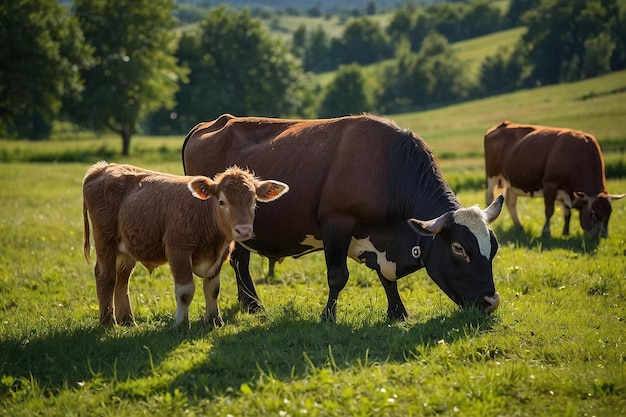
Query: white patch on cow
{"x": 474, "y": 219}
{"x": 359, "y": 246}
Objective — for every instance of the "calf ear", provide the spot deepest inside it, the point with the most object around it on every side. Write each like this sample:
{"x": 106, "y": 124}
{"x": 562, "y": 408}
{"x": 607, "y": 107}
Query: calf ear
{"x": 270, "y": 190}
{"x": 202, "y": 187}
{"x": 429, "y": 227}
{"x": 493, "y": 211}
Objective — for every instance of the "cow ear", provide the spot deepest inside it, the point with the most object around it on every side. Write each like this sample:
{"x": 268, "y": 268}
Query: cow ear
{"x": 429, "y": 227}
{"x": 270, "y": 190}
{"x": 202, "y": 187}
{"x": 493, "y": 211}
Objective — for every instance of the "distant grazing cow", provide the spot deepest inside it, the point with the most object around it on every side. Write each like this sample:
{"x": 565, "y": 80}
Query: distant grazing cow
{"x": 151, "y": 217}
{"x": 354, "y": 183}
{"x": 561, "y": 165}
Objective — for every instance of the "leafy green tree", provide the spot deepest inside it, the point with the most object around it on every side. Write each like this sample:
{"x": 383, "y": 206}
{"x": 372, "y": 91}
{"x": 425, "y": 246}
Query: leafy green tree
{"x": 245, "y": 70}
{"x": 135, "y": 71}
{"x": 42, "y": 51}
{"x": 564, "y": 35}
{"x": 346, "y": 94}
{"x": 501, "y": 72}
{"x": 363, "y": 41}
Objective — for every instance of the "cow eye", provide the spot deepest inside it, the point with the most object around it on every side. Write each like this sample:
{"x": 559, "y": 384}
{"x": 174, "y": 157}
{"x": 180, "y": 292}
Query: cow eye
{"x": 459, "y": 250}
{"x": 222, "y": 203}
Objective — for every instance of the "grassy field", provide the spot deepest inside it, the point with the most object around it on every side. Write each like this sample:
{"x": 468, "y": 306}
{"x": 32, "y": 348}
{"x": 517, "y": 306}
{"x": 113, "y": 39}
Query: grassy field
{"x": 555, "y": 347}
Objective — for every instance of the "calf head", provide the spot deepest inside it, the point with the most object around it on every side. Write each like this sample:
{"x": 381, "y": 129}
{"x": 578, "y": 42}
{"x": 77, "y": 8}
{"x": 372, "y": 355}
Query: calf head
{"x": 459, "y": 258}
{"x": 595, "y": 212}
{"x": 236, "y": 192}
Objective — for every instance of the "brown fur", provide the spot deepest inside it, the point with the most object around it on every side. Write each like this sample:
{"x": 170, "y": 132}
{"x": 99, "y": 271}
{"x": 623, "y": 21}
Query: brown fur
{"x": 153, "y": 218}
{"x": 549, "y": 160}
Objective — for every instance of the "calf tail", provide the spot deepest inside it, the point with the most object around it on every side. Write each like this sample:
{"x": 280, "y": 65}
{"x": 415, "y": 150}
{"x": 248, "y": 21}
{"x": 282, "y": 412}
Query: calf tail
{"x": 86, "y": 244}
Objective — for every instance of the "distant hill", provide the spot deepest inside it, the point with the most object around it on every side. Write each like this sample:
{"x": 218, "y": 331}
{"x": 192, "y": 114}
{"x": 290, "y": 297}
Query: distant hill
{"x": 325, "y": 6}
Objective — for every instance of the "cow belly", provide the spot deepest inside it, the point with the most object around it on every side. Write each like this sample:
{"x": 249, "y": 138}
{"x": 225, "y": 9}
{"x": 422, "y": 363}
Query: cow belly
{"x": 562, "y": 196}
{"x": 306, "y": 245}
{"x": 363, "y": 251}
{"x": 149, "y": 261}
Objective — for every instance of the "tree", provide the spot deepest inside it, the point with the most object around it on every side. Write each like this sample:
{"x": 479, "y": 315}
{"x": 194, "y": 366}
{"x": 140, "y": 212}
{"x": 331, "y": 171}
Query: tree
{"x": 563, "y": 35}
{"x": 42, "y": 50}
{"x": 345, "y": 95}
{"x": 135, "y": 71}
{"x": 363, "y": 41}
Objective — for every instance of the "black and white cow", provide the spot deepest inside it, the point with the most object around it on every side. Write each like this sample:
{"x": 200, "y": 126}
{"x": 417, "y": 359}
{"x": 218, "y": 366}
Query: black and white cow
{"x": 354, "y": 184}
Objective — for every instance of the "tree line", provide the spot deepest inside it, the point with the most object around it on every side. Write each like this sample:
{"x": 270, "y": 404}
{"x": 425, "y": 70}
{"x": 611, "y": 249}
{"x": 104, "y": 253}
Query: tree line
{"x": 128, "y": 66}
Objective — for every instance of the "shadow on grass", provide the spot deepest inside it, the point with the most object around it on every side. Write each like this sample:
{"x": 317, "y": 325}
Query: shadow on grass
{"x": 286, "y": 346}
{"x": 579, "y": 243}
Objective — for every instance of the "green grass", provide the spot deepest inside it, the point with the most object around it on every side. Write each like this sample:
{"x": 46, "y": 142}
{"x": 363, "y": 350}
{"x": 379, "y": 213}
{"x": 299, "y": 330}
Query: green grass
{"x": 472, "y": 52}
{"x": 554, "y": 347}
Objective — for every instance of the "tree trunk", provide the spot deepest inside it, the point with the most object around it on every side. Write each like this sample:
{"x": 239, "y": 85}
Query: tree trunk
{"x": 126, "y": 133}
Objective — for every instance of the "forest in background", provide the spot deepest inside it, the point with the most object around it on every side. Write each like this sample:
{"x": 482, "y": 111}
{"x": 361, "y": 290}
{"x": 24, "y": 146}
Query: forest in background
{"x": 139, "y": 66}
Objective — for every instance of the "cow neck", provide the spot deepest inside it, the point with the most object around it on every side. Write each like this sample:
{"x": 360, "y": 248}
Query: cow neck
{"x": 417, "y": 188}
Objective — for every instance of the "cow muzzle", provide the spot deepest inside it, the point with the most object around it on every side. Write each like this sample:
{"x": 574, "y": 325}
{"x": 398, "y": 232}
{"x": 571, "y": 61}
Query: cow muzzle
{"x": 491, "y": 303}
{"x": 242, "y": 232}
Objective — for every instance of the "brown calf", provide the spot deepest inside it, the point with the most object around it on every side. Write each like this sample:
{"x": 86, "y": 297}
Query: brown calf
{"x": 157, "y": 218}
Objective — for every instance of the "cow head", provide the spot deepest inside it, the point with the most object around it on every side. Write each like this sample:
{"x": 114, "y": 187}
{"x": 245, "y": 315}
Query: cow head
{"x": 460, "y": 256}
{"x": 595, "y": 212}
{"x": 236, "y": 192}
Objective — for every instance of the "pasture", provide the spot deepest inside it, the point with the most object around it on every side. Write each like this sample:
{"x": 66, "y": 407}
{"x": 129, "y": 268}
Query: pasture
{"x": 555, "y": 347}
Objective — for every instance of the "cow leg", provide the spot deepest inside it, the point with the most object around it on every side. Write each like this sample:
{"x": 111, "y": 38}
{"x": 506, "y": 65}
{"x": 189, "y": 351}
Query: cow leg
{"x": 211, "y": 288}
{"x": 549, "y": 198}
{"x": 122, "y": 307}
{"x": 567, "y": 216}
{"x": 395, "y": 307}
{"x": 491, "y": 186}
{"x": 336, "y": 234}
{"x": 510, "y": 199}
{"x": 246, "y": 293}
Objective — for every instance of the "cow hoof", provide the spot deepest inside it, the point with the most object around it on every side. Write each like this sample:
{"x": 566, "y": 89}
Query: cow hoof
{"x": 216, "y": 322}
{"x": 396, "y": 316}
{"x": 328, "y": 316}
{"x": 253, "y": 307}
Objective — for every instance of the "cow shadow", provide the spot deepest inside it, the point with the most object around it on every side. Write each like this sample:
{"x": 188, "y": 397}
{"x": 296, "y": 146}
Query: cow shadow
{"x": 292, "y": 348}
{"x": 286, "y": 347}
{"x": 581, "y": 243}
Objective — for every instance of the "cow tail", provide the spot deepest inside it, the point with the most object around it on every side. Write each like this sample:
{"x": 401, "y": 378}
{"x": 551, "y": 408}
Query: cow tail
{"x": 86, "y": 244}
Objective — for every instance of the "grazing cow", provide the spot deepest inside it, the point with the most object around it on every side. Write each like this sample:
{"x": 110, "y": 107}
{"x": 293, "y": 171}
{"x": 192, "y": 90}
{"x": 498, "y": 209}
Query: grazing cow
{"x": 562, "y": 165}
{"x": 151, "y": 217}
{"x": 354, "y": 183}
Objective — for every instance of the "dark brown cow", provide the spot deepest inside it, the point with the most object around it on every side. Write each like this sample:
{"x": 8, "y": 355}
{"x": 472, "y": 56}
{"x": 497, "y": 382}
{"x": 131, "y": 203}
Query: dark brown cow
{"x": 354, "y": 183}
{"x": 562, "y": 165}
{"x": 151, "y": 217}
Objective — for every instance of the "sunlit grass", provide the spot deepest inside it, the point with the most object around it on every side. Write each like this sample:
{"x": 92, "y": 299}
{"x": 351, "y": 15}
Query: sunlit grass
{"x": 554, "y": 347}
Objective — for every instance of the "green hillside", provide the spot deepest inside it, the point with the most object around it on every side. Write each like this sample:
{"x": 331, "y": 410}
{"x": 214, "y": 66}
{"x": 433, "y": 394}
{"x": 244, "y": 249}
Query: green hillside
{"x": 597, "y": 106}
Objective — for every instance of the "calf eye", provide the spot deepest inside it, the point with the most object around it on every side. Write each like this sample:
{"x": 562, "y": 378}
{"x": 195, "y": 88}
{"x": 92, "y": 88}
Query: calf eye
{"x": 459, "y": 250}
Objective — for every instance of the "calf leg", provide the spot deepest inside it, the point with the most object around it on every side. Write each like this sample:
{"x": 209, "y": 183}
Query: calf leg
{"x": 122, "y": 308}
{"x": 510, "y": 199}
{"x": 246, "y": 292}
{"x": 395, "y": 307}
{"x": 336, "y": 234}
{"x": 104, "y": 272}
{"x": 211, "y": 287}
{"x": 184, "y": 287}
